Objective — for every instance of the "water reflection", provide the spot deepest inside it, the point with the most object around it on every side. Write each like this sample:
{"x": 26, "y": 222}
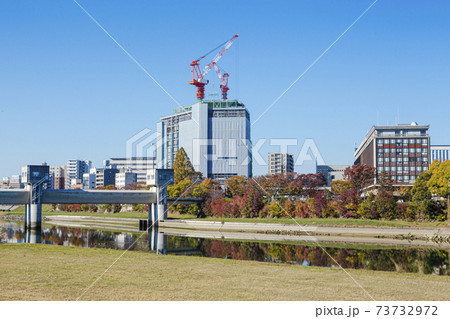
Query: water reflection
{"x": 426, "y": 261}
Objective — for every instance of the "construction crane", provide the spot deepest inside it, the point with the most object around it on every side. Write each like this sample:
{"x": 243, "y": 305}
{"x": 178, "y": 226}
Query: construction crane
{"x": 223, "y": 81}
{"x": 198, "y": 77}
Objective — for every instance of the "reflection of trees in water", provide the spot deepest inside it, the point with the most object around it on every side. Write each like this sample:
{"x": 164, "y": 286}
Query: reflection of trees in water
{"x": 425, "y": 261}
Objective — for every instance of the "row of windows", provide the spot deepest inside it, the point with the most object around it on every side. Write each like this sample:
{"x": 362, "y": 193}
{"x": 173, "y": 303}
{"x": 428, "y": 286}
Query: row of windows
{"x": 403, "y": 141}
{"x": 227, "y": 113}
{"x": 176, "y": 119}
{"x": 402, "y": 150}
{"x": 400, "y": 169}
{"x": 400, "y": 160}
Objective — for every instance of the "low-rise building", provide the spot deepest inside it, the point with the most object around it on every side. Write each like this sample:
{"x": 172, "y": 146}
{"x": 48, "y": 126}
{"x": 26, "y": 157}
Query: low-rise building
{"x": 440, "y": 152}
{"x": 332, "y": 172}
{"x": 125, "y": 177}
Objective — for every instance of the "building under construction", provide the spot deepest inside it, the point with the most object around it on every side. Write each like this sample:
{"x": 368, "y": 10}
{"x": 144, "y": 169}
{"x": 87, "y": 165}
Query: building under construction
{"x": 214, "y": 134}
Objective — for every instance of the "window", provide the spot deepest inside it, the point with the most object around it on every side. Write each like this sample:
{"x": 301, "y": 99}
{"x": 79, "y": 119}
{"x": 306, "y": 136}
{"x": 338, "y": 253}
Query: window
{"x": 413, "y": 168}
{"x": 392, "y": 141}
{"x": 424, "y": 151}
{"x": 412, "y": 141}
{"x": 386, "y": 141}
{"x": 399, "y": 169}
{"x": 379, "y": 141}
{"x": 380, "y": 160}
{"x": 418, "y": 150}
{"x": 398, "y": 150}
{"x": 425, "y": 169}
{"x": 424, "y": 141}
{"x": 418, "y": 168}
{"x": 393, "y": 169}
{"x": 406, "y": 178}
{"x": 399, "y": 178}
{"x": 406, "y": 169}
{"x": 405, "y": 142}
{"x": 405, "y": 151}
{"x": 386, "y": 150}
{"x": 399, "y": 160}
{"x": 405, "y": 160}
{"x": 380, "y": 169}
{"x": 393, "y": 159}
{"x": 425, "y": 159}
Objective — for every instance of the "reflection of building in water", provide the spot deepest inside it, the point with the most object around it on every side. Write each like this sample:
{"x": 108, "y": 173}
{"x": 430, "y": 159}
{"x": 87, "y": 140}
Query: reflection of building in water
{"x": 123, "y": 241}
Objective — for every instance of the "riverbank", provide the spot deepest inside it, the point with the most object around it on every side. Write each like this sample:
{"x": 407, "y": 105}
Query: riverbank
{"x": 343, "y": 222}
{"x": 65, "y": 272}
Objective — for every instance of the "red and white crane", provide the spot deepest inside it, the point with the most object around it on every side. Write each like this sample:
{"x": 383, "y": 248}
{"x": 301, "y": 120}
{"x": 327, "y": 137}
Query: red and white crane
{"x": 198, "y": 77}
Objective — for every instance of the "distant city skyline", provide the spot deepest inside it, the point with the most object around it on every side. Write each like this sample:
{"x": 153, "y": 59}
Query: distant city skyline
{"x": 69, "y": 92}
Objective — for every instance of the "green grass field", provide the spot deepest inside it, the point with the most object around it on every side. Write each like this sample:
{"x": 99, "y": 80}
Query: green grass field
{"x": 47, "y": 211}
{"x": 46, "y": 272}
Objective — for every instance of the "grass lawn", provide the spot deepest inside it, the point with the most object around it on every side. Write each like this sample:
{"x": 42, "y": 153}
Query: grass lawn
{"x": 47, "y": 211}
{"x": 46, "y": 272}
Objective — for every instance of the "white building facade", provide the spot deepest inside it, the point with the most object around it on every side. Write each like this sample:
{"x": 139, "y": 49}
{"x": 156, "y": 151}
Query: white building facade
{"x": 440, "y": 152}
{"x": 214, "y": 134}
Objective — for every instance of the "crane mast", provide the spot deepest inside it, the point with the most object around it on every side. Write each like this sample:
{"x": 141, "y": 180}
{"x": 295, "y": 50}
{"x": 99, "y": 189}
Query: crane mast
{"x": 198, "y": 76}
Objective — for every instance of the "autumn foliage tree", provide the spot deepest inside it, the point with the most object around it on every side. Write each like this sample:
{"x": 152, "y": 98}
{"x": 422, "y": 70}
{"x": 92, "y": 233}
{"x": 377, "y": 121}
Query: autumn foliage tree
{"x": 360, "y": 176}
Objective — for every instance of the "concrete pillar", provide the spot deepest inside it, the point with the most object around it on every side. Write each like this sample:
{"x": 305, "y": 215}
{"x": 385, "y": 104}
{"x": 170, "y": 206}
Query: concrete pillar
{"x": 162, "y": 211}
{"x": 161, "y": 244}
{"x": 157, "y": 241}
{"x": 35, "y": 216}
{"x": 33, "y": 236}
{"x": 27, "y": 216}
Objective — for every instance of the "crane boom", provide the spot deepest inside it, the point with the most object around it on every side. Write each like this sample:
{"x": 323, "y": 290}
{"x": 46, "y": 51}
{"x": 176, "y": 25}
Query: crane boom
{"x": 197, "y": 75}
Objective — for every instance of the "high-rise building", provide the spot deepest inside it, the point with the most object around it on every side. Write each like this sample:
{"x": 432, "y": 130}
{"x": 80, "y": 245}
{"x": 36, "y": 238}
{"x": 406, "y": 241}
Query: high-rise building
{"x": 332, "y": 172}
{"x": 138, "y": 165}
{"x": 75, "y": 170}
{"x": 401, "y": 151}
{"x": 56, "y": 178}
{"x": 214, "y": 134}
{"x": 440, "y": 152}
{"x": 281, "y": 163}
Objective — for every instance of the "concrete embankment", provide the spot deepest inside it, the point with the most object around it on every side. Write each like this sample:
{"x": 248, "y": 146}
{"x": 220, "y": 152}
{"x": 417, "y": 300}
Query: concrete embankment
{"x": 436, "y": 237}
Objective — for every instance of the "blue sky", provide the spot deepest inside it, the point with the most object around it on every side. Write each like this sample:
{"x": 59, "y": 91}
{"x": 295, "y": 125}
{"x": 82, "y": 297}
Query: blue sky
{"x": 67, "y": 90}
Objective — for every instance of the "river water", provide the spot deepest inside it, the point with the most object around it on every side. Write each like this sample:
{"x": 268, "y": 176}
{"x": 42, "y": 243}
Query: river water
{"x": 384, "y": 258}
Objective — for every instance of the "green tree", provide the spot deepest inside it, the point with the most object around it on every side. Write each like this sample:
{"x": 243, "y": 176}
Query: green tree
{"x": 440, "y": 178}
{"x": 182, "y": 167}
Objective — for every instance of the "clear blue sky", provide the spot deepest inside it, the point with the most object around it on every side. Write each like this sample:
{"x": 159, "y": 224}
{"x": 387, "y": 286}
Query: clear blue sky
{"x": 67, "y": 91}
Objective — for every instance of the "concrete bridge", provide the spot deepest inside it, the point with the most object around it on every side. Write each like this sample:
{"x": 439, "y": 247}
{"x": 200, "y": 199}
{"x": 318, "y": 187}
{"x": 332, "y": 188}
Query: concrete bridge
{"x": 35, "y": 195}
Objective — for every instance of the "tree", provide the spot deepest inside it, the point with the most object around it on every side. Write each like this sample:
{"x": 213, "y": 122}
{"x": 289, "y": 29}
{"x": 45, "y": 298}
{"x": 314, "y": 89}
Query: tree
{"x": 337, "y": 187}
{"x": 440, "y": 178}
{"x": 182, "y": 167}
{"x": 385, "y": 202}
{"x": 360, "y": 175}
{"x": 236, "y": 185}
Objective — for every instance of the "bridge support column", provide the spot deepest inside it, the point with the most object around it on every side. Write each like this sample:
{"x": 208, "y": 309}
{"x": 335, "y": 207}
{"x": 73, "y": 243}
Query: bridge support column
{"x": 35, "y": 216}
{"x": 157, "y": 241}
